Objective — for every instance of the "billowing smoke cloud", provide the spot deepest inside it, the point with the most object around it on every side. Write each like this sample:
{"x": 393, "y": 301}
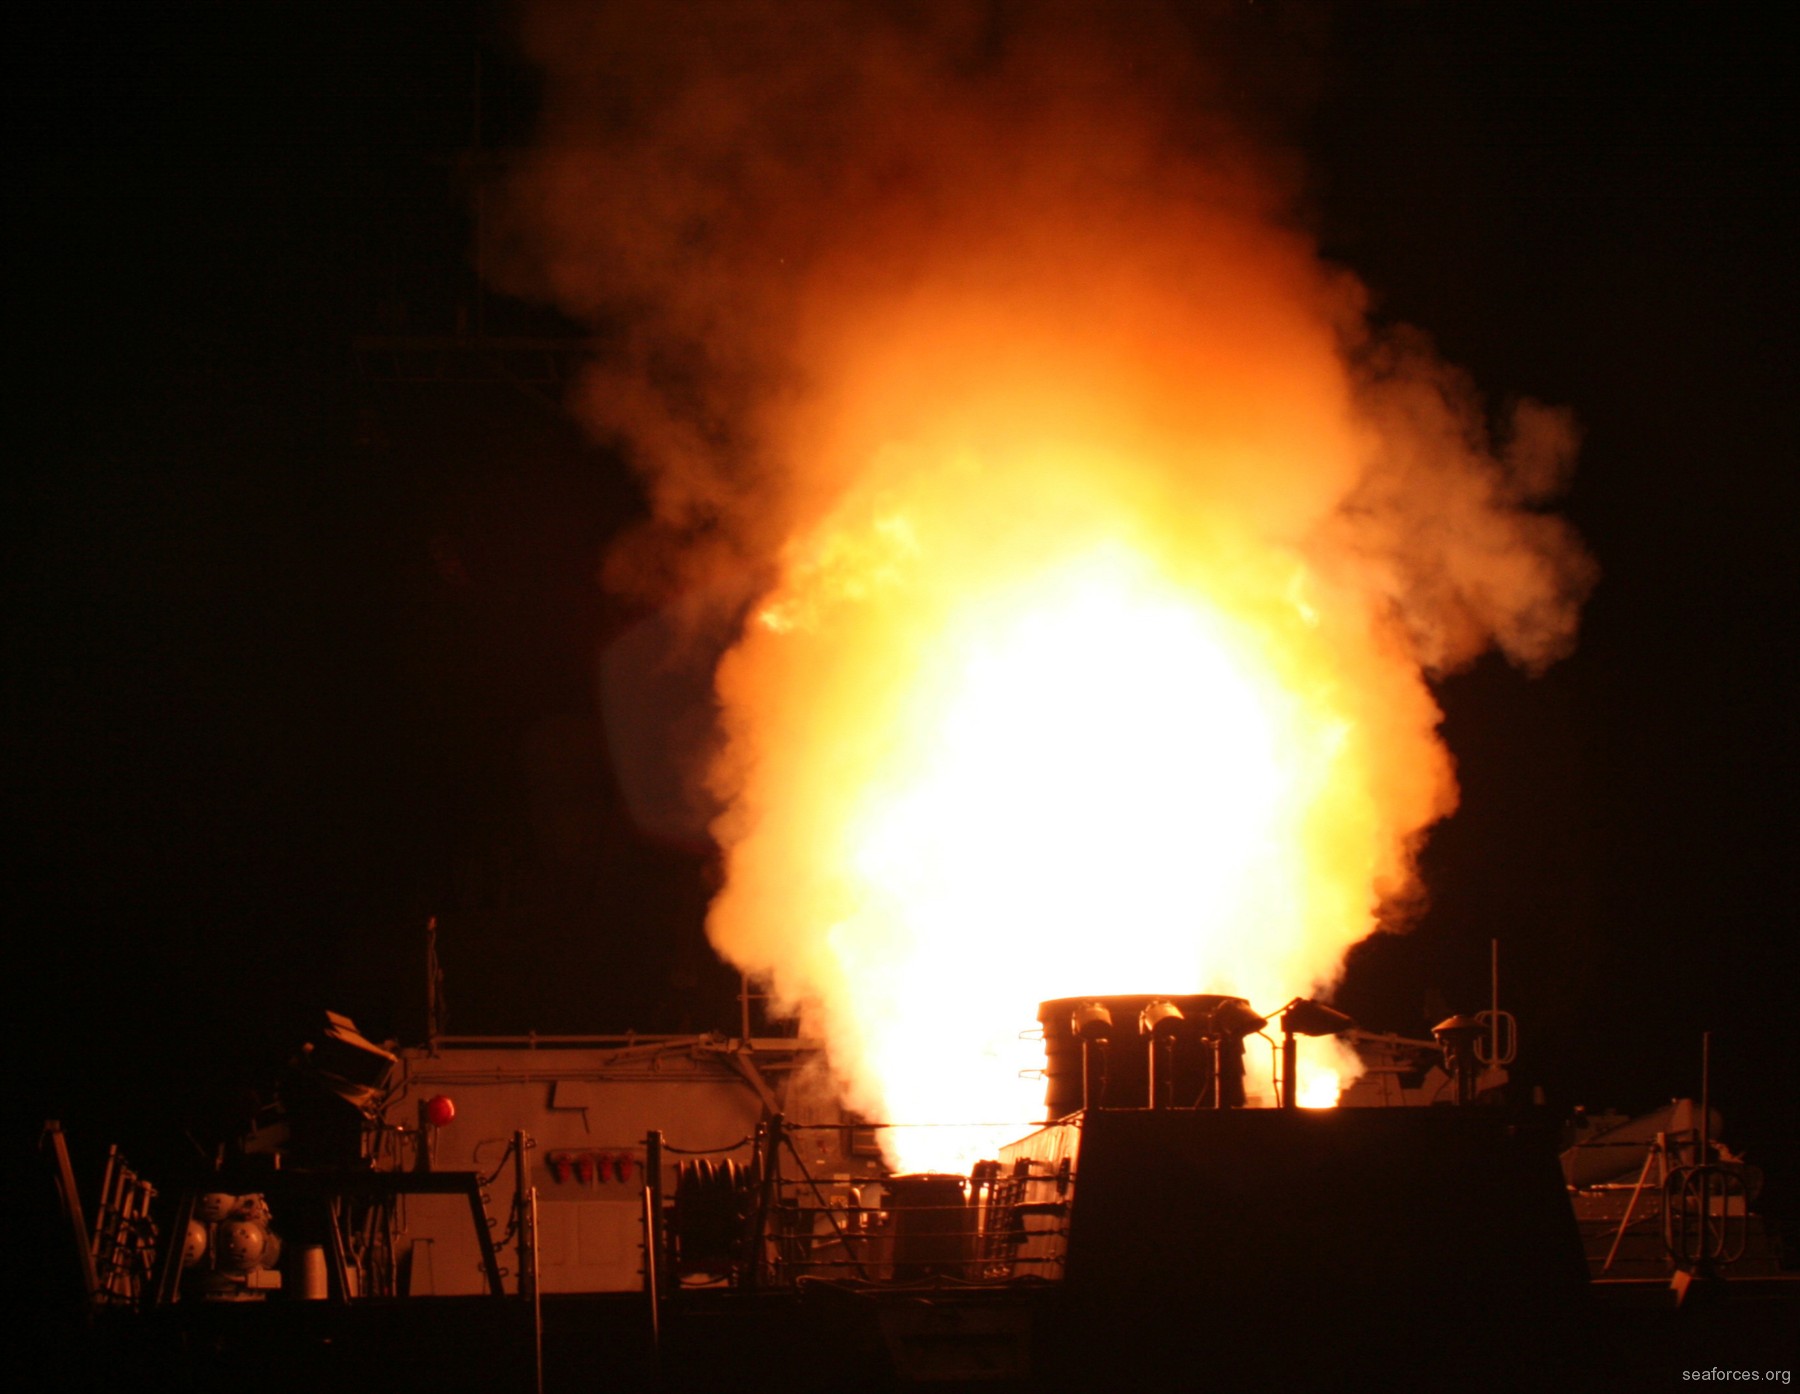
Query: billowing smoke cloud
{"x": 960, "y": 338}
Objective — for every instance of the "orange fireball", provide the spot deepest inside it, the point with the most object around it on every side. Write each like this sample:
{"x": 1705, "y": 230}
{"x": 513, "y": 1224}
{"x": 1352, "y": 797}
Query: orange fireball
{"x": 1100, "y": 547}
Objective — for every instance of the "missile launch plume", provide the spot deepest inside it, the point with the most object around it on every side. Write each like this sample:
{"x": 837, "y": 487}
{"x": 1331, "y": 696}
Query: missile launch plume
{"x": 1094, "y": 547}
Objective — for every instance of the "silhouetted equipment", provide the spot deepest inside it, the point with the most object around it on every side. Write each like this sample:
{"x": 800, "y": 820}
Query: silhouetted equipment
{"x": 1303, "y": 1017}
{"x": 1198, "y": 1037}
{"x": 1460, "y": 1038}
{"x": 934, "y": 1232}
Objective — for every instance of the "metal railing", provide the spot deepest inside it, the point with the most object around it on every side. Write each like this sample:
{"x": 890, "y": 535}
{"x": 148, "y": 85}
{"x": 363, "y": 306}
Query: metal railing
{"x": 756, "y": 1215}
{"x": 1705, "y": 1216}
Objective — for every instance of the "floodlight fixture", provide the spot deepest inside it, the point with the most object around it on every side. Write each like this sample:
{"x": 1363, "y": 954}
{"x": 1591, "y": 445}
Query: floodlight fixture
{"x": 1092, "y": 1021}
{"x": 1234, "y": 1018}
{"x": 1160, "y": 1015}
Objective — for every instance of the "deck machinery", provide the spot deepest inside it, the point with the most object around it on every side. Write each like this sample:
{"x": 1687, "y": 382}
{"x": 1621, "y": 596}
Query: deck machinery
{"x": 1153, "y": 1220}
{"x": 698, "y": 1213}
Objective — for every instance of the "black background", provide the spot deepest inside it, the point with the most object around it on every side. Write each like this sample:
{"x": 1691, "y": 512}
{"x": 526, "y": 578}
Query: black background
{"x": 297, "y": 659}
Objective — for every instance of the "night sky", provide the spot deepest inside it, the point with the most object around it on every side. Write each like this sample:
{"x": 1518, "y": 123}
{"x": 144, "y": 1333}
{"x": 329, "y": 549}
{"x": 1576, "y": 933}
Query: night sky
{"x": 299, "y": 657}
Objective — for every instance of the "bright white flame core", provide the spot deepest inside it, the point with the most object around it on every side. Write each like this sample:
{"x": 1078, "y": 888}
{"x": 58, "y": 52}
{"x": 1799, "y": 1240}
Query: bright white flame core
{"x": 1087, "y": 780}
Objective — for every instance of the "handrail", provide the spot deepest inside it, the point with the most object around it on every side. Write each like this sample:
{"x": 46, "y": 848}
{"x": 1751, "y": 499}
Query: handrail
{"x": 1702, "y": 1229}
